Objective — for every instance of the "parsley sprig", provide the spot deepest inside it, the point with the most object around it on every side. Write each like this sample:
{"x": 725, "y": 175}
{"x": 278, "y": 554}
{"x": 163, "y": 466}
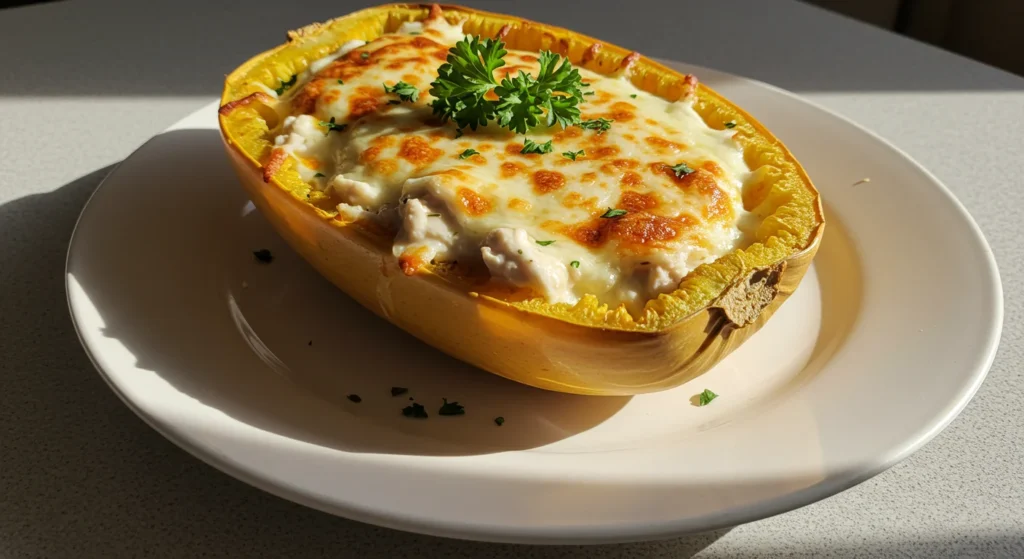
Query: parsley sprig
{"x": 405, "y": 91}
{"x": 332, "y": 126}
{"x": 523, "y": 101}
{"x": 286, "y": 85}
{"x": 599, "y": 124}
{"x": 681, "y": 170}
{"x": 414, "y": 410}
{"x": 451, "y": 408}
{"x": 529, "y": 146}
{"x": 705, "y": 397}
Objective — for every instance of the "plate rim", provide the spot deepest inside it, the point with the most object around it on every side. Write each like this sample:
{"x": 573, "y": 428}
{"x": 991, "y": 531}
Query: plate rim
{"x": 832, "y": 484}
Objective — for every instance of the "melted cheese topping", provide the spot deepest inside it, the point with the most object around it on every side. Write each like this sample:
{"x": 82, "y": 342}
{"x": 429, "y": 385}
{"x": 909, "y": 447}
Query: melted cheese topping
{"x": 532, "y": 221}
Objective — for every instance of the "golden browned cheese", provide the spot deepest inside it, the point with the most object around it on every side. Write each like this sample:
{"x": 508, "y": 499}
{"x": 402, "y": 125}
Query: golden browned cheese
{"x": 680, "y": 188}
{"x": 740, "y": 201}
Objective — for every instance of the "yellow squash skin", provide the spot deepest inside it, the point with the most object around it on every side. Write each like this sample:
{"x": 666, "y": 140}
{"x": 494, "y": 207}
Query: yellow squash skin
{"x": 585, "y": 348}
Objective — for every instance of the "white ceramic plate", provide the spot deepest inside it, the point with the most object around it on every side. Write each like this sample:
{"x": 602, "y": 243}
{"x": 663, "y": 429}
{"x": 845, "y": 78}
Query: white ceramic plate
{"x": 248, "y": 365}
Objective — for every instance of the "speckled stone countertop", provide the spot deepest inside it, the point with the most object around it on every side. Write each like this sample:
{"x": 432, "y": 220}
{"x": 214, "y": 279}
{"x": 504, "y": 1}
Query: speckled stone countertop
{"x": 84, "y": 83}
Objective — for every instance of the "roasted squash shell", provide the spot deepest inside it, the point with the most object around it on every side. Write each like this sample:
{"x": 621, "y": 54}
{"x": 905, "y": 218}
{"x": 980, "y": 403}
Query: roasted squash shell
{"x": 586, "y": 348}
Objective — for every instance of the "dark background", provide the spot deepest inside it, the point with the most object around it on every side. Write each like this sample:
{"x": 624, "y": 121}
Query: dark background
{"x": 989, "y": 31}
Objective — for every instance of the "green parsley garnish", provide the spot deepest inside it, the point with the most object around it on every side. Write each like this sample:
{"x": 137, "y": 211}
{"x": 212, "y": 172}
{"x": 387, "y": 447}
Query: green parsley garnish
{"x": 704, "y": 398}
{"x": 633, "y": 95}
{"x": 286, "y": 85}
{"x": 599, "y": 124}
{"x": 529, "y": 146}
{"x": 451, "y": 408}
{"x": 613, "y": 213}
{"x": 398, "y": 390}
{"x": 730, "y": 124}
{"x": 405, "y": 92}
{"x": 263, "y": 255}
{"x": 575, "y": 263}
{"x": 573, "y": 154}
{"x": 523, "y": 101}
{"x": 319, "y": 176}
{"x": 499, "y": 421}
{"x": 354, "y": 398}
{"x": 681, "y": 170}
{"x": 415, "y": 410}
{"x": 545, "y": 243}
{"x": 340, "y": 82}
{"x": 468, "y": 153}
{"x": 333, "y": 126}
{"x": 364, "y": 55}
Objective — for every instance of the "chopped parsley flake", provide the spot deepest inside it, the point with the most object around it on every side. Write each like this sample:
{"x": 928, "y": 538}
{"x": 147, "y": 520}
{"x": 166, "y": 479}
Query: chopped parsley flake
{"x": 704, "y": 398}
{"x": 319, "y": 176}
{"x": 529, "y": 146}
{"x": 415, "y": 410}
{"x": 451, "y": 408}
{"x": 468, "y": 153}
{"x": 730, "y": 124}
{"x": 573, "y": 154}
{"x": 263, "y": 255}
{"x": 333, "y": 126}
{"x": 681, "y": 170}
{"x": 575, "y": 263}
{"x": 405, "y": 92}
{"x": 364, "y": 55}
{"x": 633, "y": 95}
{"x": 613, "y": 213}
{"x": 341, "y": 82}
{"x": 499, "y": 421}
{"x": 286, "y": 85}
{"x": 398, "y": 390}
{"x": 545, "y": 243}
{"x": 354, "y": 398}
{"x": 599, "y": 124}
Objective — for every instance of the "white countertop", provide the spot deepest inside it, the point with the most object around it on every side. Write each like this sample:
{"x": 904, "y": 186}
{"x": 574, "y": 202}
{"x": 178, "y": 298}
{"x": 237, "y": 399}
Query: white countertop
{"x": 85, "y": 83}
